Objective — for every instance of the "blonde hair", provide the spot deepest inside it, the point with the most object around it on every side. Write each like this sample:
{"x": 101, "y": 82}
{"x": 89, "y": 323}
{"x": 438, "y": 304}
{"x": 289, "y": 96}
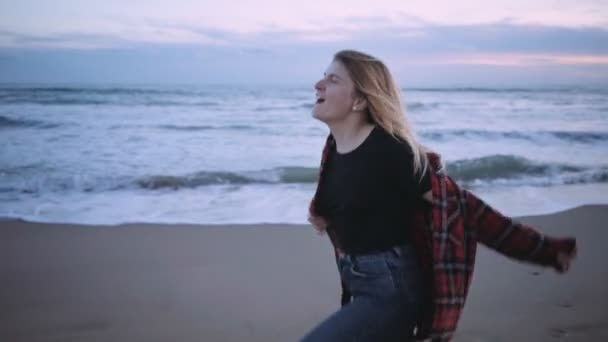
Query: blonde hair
{"x": 373, "y": 82}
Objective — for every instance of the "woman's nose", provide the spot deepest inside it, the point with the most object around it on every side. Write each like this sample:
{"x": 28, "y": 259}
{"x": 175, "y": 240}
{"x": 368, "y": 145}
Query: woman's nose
{"x": 319, "y": 85}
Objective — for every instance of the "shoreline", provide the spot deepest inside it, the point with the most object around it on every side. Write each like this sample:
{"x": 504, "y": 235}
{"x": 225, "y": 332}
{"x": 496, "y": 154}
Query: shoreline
{"x": 9, "y": 219}
{"x": 283, "y": 205}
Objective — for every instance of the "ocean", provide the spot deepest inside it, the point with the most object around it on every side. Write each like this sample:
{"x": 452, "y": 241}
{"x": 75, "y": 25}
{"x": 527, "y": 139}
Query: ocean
{"x": 250, "y": 154}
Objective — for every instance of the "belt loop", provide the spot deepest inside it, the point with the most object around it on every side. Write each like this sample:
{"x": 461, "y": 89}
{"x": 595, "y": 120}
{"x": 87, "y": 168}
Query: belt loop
{"x": 344, "y": 257}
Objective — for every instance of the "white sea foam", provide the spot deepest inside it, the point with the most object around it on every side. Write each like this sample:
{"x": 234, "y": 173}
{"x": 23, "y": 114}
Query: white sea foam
{"x": 250, "y": 154}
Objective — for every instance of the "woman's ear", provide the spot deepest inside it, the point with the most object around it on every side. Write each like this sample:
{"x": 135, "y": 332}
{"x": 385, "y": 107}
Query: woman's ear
{"x": 360, "y": 104}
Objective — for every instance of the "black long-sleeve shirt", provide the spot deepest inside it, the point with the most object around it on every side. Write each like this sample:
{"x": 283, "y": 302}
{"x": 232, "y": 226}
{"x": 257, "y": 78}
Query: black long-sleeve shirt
{"x": 369, "y": 194}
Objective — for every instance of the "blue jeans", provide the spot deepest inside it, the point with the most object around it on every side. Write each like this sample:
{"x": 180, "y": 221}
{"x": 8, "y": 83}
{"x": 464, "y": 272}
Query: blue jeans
{"x": 387, "y": 294}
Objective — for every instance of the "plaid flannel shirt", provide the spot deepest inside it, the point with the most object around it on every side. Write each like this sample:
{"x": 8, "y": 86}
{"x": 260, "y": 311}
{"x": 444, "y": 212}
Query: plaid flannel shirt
{"x": 445, "y": 236}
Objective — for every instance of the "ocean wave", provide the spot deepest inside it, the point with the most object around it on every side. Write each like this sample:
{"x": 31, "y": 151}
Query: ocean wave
{"x": 185, "y": 128}
{"x": 421, "y": 106}
{"x": 44, "y": 181}
{"x": 504, "y": 166}
{"x": 6, "y": 122}
{"x": 306, "y": 105}
{"x": 491, "y": 170}
{"x": 107, "y": 96}
{"x": 588, "y": 137}
{"x": 99, "y": 90}
{"x": 204, "y": 127}
{"x": 90, "y": 101}
{"x": 168, "y": 103}
{"x": 501, "y": 169}
{"x": 47, "y": 181}
{"x": 589, "y": 90}
{"x": 281, "y": 175}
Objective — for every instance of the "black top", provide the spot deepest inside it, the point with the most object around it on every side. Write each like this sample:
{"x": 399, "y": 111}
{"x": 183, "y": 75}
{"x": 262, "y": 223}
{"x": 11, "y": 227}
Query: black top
{"x": 368, "y": 195}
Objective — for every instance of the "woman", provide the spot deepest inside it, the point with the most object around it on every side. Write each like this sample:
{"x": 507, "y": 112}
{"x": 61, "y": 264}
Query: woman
{"x": 375, "y": 180}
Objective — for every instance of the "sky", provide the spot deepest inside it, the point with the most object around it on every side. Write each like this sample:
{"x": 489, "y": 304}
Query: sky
{"x": 424, "y": 43}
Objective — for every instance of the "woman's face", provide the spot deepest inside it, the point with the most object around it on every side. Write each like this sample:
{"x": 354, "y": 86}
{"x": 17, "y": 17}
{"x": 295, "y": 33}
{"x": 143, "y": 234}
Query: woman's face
{"x": 335, "y": 94}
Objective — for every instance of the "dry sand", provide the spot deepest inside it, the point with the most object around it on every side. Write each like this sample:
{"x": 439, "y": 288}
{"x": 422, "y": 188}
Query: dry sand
{"x": 143, "y": 282}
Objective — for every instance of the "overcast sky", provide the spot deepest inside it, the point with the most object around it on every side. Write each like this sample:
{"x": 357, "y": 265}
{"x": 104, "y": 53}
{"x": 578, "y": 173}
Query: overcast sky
{"x": 425, "y": 43}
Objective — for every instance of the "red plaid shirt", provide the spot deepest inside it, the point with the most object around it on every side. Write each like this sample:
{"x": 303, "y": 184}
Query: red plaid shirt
{"x": 446, "y": 236}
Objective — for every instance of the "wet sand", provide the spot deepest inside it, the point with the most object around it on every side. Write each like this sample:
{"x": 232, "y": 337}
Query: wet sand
{"x": 145, "y": 282}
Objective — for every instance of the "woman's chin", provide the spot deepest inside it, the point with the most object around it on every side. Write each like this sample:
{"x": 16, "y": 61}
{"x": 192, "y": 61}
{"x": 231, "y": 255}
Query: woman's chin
{"x": 317, "y": 116}
{"x": 326, "y": 116}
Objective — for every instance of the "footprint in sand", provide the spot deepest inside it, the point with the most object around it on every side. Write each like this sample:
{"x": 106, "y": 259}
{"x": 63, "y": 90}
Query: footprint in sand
{"x": 594, "y": 331}
{"x": 557, "y": 332}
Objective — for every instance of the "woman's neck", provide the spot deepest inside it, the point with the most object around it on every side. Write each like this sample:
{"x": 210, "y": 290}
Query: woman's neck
{"x": 349, "y": 135}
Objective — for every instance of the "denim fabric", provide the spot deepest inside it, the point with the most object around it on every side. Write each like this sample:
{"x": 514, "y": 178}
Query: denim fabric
{"x": 387, "y": 294}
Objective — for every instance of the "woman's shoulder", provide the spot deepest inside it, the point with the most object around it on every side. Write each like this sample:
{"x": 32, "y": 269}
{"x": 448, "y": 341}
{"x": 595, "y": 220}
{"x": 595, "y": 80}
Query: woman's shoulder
{"x": 390, "y": 143}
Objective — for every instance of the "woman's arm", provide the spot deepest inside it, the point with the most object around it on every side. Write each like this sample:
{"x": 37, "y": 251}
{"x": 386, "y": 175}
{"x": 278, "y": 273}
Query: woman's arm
{"x": 517, "y": 240}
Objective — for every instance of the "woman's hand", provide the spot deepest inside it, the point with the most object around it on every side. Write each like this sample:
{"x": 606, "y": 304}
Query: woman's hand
{"x": 319, "y": 223}
{"x": 564, "y": 260}
{"x": 428, "y": 196}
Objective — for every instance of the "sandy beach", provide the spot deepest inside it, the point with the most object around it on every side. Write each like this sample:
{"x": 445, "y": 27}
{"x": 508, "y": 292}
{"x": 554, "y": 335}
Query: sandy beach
{"x": 145, "y": 282}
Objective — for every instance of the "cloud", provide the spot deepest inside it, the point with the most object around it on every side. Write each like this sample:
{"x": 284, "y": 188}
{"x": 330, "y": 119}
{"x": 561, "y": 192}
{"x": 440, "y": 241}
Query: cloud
{"x": 64, "y": 40}
{"x": 386, "y": 33}
{"x": 171, "y": 51}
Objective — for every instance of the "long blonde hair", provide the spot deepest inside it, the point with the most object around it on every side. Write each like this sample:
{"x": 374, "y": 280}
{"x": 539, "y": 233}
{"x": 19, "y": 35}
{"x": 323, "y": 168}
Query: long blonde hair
{"x": 374, "y": 82}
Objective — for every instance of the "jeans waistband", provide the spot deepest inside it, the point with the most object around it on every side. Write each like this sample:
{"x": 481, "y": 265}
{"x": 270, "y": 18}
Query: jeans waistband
{"x": 398, "y": 251}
